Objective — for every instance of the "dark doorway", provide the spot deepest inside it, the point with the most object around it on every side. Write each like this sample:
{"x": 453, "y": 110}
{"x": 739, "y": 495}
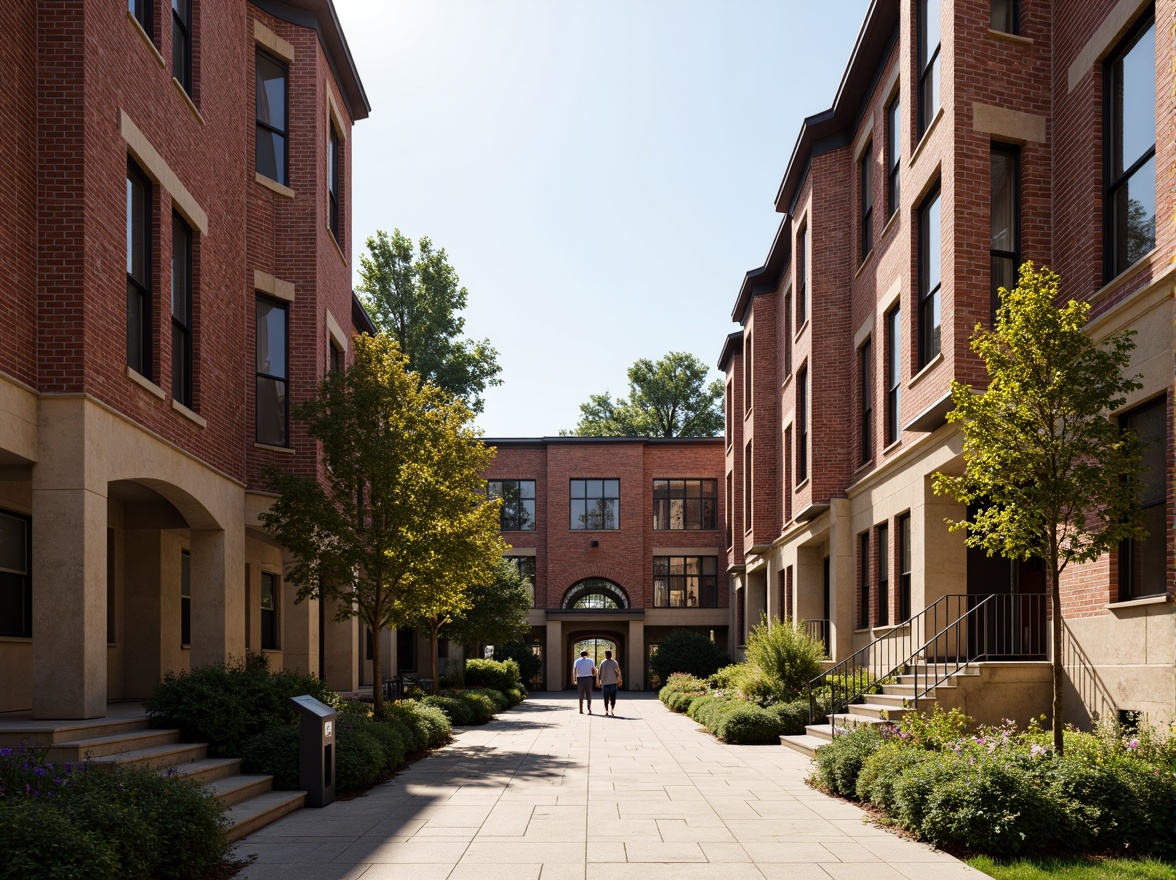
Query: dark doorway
{"x": 1009, "y": 595}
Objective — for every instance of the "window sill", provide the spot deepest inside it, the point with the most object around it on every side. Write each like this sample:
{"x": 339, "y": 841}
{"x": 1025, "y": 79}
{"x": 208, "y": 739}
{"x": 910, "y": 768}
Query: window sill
{"x": 187, "y": 100}
{"x": 284, "y": 450}
{"x": 801, "y": 485}
{"x": 1159, "y": 599}
{"x": 17, "y": 640}
{"x": 886, "y": 450}
{"x": 146, "y": 38}
{"x": 280, "y": 188}
{"x": 866, "y": 260}
{"x": 890, "y": 222}
{"x": 189, "y": 413}
{"x": 864, "y": 466}
{"x": 1006, "y": 37}
{"x": 143, "y": 382}
{"x": 922, "y": 374}
{"x": 926, "y": 138}
{"x": 335, "y": 242}
{"x": 800, "y": 330}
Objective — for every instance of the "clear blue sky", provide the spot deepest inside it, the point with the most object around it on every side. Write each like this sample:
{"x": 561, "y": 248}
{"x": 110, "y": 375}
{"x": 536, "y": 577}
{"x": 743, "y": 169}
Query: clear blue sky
{"x": 600, "y": 172}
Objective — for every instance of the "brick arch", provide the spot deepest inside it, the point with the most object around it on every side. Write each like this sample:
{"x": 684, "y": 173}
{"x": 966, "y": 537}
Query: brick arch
{"x": 595, "y": 570}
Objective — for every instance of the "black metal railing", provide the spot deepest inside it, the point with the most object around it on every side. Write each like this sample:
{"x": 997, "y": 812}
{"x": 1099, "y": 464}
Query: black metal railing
{"x": 818, "y": 630}
{"x": 934, "y": 645}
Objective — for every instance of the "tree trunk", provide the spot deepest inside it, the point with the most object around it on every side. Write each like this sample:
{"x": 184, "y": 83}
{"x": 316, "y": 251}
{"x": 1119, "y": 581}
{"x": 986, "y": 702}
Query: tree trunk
{"x": 434, "y": 627}
{"x": 1055, "y": 595}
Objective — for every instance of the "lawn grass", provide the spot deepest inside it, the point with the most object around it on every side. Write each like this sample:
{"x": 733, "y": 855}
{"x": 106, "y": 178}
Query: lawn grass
{"x": 1074, "y": 869}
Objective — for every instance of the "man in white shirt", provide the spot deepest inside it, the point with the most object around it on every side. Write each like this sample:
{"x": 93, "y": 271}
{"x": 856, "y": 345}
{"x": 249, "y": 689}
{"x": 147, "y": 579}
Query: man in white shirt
{"x": 585, "y": 674}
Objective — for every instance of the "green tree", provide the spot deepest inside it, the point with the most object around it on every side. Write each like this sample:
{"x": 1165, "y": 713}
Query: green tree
{"x": 399, "y": 519}
{"x": 684, "y": 650}
{"x": 497, "y": 609}
{"x": 1047, "y": 470}
{"x": 669, "y": 398}
{"x": 414, "y": 296}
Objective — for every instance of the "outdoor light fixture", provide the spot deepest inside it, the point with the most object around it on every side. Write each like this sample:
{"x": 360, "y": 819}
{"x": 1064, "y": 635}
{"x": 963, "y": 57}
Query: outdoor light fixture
{"x": 594, "y": 543}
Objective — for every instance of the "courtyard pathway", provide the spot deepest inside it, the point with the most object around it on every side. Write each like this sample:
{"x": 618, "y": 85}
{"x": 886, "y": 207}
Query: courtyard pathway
{"x": 544, "y": 793}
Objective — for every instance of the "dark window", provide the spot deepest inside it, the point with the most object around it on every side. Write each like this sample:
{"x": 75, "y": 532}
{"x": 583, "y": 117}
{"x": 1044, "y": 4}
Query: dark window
{"x": 595, "y": 504}
{"x": 928, "y": 62}
{"x": 685, "y": 582}
{"x": 904, "y": 568}
{"x": 1004, "y": 16}
{"x": 802, "y": 425}
{"x": 802, "y": 277}
{"x": 864, "y": 579}
{"x": 929, "y": 278}
{"x": 747, "y": 371}
{"x": 16, "y": 587}
{"x": 181, "y": 310}
{"x": 893, "y": 156}
{"x": 788, "y": 603}
{"x": 747, "y": 487}
{"x": 185, "y": 598}
{"x": 1005, "y": 220}
{"x": 730, "y": 502}
{"x": 272, "y": 373}
{"x": 138, "y": 271}
{"x": 1143, "y": 564}
{"x": 182, "y": 43}
{"x": 730, "y": 414}
{"x": 685, "y": 504}
{"x": 272, "y": 131}
{"x": 405, "y": 650}
{"x": 518, "y": 504}
{"x": 866, "y": 169}
{"x": 269, "y": 611}
{"x": 526, "y": 567}
{"x": 893, "y": 373}
{"x": 867, "y": 374}
{"x": 741, "y": 616}
{"x": 788, "y": 335}
{"x": 141, "y": 9}
{"x": 883, "y": 616}
{"x": 335, "y": 362}
{"x": 788, "y": 475}
{"x": 1130, "y": 136}
{"x": 333, "y": 182}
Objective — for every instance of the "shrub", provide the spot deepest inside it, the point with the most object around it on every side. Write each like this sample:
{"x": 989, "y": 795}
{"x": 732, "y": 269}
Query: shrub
{"x": 748, "y": 724}
{"x": 725, "y": 679}
{"x": 786, "y": 655}
{"x": 690, "y": 652}
{"x": 839, "y": 762}
{"x": 521, "y": 653}
{"x": 516, "y": 695}
{"x": 458, "y": 711}
{"x": 226, "y": 704}
{"x": 499, "y": 699}
{"x": 680, "y": 702}
{"x": 274, "y": 752}
{"x": 681, "y": 683}
{"x": 359, "y": 758}
{"x": 434, "y": 729}
{"x": 793, "y": 717}
{"x": 501, "y": 675}
{"x": 387, "y": 735}
{"x": 40, "y": 842}
{"x": 482, "y": 707}
{"x": 880, "y": 771}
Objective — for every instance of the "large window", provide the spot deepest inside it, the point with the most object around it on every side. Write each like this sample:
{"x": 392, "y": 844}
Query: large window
{"x": 595, "y": 504}
{"x": 1130, "y": 137}
{"x": 747, "y": 371}
{"x": 867, "y": 377}
{"x": 526, "y": 567}
{"x": 747, "y": 486}
{"x": 883, "y": 616}
{"x": 595, "y": 594}
{"x": 16, "y": 588}
{"x": 141, "y": 9}
{"x": 802, "y": 425}
{"x": 685, "y": 504}
{"x": 893, "y": 373}
{"x": 269, "y": 611}
{"x": 787, "y": 336}
{"x": 928, "y": 63}
{"x": 518, "y": 504}
{"x": 864, "y": 579}
{"x": 866, "y": 177}
{"x": 138, "y": 271}
{"x": 182, "y": 43}
{"x": 1005, "y": 221}
{"x": 333, "y": 178}
{"x": 929, "y": 278}
{"x": 1143, "y": 564}
{"x": 893, "y": 156}
{"x": 802, "y": 270}
{"x": 272, "y": 129}
{"x": 185, "y": 598}
{"x": 1003, "y": 16}
{"x": 272, "y": 377}
{"x": 685, "y": 582}
{"x": 904, "y": 568}
{"x": 181, "y": 310}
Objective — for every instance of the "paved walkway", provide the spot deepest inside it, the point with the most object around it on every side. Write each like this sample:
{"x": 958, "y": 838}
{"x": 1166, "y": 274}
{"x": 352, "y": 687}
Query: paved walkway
{"x": 544, "y": 793}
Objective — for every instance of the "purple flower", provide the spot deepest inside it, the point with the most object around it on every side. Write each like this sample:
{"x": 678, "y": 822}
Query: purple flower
{"x": 1132, "y": 743}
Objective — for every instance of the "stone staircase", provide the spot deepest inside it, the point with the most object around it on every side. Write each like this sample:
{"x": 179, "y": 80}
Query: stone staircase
{"x": 129, "y": 741}
{"x": 889, "y": 705}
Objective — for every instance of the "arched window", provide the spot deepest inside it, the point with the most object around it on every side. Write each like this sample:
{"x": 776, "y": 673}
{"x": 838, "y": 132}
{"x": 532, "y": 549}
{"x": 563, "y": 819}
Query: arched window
{"x": 595, "y": 593}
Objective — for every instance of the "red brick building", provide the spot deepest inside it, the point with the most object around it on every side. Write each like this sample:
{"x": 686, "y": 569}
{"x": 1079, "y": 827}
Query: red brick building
{"x": 623, "y": 540}
{"x": 966, "y": 136}
{"x": 174, "y": 275}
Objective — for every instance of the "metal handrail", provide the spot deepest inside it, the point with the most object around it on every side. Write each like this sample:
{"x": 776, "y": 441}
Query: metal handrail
{"x": 975, "y": 627}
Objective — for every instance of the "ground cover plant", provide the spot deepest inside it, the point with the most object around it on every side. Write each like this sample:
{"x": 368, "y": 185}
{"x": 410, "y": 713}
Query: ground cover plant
{"x": 1072, "y": 868}
{"x": 1005, "y": 792}
{"x": 62, "y": 820}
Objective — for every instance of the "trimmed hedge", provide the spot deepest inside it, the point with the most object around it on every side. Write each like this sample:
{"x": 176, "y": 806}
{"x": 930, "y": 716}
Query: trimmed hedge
{"x": 686, "y": 651}
{"x": 500, "y": 675}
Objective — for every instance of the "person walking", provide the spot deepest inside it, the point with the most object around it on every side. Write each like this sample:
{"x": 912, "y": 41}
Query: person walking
{"x": 585, "y": 673}
{"x": 609, "y": 679}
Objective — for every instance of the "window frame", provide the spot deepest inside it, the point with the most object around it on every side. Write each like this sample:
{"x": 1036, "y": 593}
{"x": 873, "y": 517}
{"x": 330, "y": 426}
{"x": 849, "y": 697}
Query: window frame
{"x": 282, "y": 173}
{"x": 866, "y": 183}
{"x": 894, "y": 155}
{"x": 893, "y": 320}
{"x": 182, "y": 37}
{"x": 706, "y": 583}
{"x": 747, "y": 372}
{"x": 928, "y": 66}
{"x": 802, "y": 269}
{"x": 1012, "y": 17}
{"x": 882, "y": 617}
{"x": 25, "y": 628}
{"x": 704, "y": 523}
{"x": 930, "y": 308}
{"x": 802, "y": 431}
{"x": 139, "y": 290}
{"x": 904, "y": 567}
{"x": 270, "y": 632}
{"x": 185, "y": 599}
{"x": 864, "y": 579}
{"x": 602, "y": 499}
{"x": 514, "y": 523}
{"x": 334, "y": 179}
{"x": 788, "y": 331}
{"x": 517, "y": 562}
{"x": 284, "y": 379}
{"x": 1130, "y": 586}
{"x": 182, "y": 329}
{"x": 748, "y": 506}
{"x": 1014, "y": 154}
{"x": 141, "y": 11}
{"x": 866, "y": 375}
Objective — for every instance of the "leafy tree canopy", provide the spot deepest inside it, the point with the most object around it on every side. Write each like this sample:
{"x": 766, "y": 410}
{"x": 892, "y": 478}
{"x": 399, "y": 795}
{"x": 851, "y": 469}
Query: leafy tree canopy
{"x": 414, "y": 296}
{"x": 497, "y": 611}
{"x": 1048, "y": 472}
{"x": 669, "y": 398}
{"x": 400, "y": 520}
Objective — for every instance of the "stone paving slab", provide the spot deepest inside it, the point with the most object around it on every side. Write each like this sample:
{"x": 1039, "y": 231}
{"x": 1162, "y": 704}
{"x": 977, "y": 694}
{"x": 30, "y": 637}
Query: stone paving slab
{"x": 544, "y": 793}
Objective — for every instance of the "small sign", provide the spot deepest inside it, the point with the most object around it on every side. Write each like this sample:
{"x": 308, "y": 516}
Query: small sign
{"x": 328, "y": 729}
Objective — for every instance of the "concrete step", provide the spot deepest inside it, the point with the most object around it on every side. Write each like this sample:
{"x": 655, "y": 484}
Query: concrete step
{"x": 210, "y": 769}
{"x": 233, "y": 790}
{"x": 880, "y": 711}
{"x": 803, "y": 743}
{"x": 820, "y": 731}
{"x": 257, "y": 812}
{"x": 52, "y": 733}
{"x": 110, "y": 744}
{"x": 156, "y": 756}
